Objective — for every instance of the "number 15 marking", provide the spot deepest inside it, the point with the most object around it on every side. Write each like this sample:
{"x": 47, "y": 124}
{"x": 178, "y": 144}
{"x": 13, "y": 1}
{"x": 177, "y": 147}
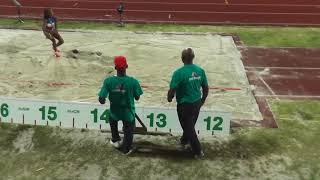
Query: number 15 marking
{"x": 51, "y": 114}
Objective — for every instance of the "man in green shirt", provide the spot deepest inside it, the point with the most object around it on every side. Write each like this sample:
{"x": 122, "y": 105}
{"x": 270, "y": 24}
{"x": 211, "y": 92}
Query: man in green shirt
{"x": 121, "y": 90}
{"x": 186, "y": 84}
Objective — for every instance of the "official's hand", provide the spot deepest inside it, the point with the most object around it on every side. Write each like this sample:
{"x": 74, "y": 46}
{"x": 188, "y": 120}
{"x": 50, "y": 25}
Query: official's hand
{"x": 102, "y": 100}
{"x": 202, "y": 103}
{"x": 170, "y": 95}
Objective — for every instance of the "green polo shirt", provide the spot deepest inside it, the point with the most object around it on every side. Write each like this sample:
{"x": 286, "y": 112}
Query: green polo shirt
{"x": 187, "y": 81}
{"x": 121, "y": 92}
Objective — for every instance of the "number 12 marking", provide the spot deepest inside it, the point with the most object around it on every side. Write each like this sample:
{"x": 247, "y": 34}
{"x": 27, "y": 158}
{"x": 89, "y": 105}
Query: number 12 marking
{"x": 217, "y": 126}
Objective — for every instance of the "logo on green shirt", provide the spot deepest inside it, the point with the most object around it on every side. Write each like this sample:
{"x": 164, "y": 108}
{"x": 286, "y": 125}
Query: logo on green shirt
{"x": 119, "y": 88}
{"x": 121, "y": 92}
{"x": 194, "y": 76}
{"x": 187, "y": 81}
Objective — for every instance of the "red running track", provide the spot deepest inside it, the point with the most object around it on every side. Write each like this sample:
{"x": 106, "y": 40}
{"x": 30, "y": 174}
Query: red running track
{"x": 284, "y": 72}
{"x": 273, "y": 12}
{"x": 289, "y": 73}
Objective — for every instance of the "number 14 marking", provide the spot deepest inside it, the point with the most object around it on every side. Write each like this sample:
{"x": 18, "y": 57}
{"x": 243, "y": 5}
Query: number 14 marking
{"x": 104, "y": 116}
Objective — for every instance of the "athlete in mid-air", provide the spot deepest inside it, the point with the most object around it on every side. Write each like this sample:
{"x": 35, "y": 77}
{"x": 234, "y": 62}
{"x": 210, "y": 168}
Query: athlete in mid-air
{"x": 50, "y": 30}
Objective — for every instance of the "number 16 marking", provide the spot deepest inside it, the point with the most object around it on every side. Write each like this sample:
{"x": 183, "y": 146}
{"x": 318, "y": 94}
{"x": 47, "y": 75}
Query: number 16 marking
{"x": 4, "y": 110}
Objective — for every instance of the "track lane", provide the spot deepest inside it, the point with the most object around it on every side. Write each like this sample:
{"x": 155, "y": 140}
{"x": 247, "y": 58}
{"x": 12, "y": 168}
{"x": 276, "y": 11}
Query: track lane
{"x": 259, "y": 12}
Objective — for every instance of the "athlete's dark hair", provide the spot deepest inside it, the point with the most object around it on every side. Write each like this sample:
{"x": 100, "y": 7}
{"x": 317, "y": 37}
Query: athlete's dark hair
{"x": 47, "y": 13}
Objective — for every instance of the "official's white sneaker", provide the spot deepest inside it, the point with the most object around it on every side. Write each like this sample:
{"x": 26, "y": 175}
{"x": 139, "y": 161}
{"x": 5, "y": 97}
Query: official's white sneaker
{"x": 116, "y": 144}
{"x": 187, "y": 147}
{"x": 199, "y": 156}
{"x": 130, "y": 151}
{"x": 184, "y": 147}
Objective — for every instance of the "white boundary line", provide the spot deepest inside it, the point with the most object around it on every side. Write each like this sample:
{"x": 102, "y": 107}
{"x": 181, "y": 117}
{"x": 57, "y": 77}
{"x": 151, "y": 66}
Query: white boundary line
{"x": 287, "y": 68}
{"x": 281, "y": 47}
{"x": 213, "y": 3}
{"x": 287, "y": 96}
{"x": 167, "y": 21}
{"x": 172, "y": 11}
{"x": 268, "y": 87}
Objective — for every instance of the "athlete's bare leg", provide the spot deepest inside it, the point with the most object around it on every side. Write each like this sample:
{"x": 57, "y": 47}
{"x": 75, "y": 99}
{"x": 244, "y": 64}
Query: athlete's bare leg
{"x": 56, "y": 35}
{"x": 51, "y": 38}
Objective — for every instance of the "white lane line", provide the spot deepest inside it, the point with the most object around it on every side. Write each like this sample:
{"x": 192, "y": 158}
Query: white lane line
{"x": 287, "y": 96}
{"x": 268, "y": 87}
{"x": 162, "y": 21}
{"x": 211, "y": 3}
{"x": 288, "y": 68}
{"x": 168, "y": 11}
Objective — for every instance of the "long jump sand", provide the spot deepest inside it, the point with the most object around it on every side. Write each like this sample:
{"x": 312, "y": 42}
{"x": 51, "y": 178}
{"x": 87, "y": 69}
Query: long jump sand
{"x": 28, "y": 68}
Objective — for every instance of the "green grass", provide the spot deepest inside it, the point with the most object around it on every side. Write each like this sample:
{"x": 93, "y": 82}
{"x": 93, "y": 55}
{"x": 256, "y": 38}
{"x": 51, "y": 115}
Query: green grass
{"x": 291, "y": 152}
{"x": 250, "y": 35}
{"x": 301, "y": 123}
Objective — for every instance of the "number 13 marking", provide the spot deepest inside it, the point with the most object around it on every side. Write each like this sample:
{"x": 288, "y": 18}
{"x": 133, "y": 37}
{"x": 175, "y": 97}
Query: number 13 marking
{"x": 161, "y": 120}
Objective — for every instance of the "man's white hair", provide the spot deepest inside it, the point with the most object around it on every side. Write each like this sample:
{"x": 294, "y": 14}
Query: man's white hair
{"x": 188, "y": 53}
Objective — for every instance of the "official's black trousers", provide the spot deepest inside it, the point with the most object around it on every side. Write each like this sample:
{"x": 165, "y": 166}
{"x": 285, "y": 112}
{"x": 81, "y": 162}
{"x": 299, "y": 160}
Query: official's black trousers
{"x": 128, "y": 128}
{"x": 188, "y": 114}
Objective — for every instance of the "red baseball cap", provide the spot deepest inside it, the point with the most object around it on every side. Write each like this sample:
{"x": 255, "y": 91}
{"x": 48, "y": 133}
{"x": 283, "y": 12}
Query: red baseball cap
{"x": 120, "y": 62}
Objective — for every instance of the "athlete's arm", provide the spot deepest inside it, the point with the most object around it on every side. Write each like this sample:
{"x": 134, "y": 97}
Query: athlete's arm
{"x": 56, "y": 23}
{"x": 171, "y": 94}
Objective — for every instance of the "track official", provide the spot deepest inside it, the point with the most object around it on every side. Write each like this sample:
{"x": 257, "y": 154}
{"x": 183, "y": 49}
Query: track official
{"x": 186, "y": 84}
{"x": 122, "y": 91}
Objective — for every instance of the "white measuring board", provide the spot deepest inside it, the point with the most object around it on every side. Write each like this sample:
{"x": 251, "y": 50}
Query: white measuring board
{"x": 96, "y": 116}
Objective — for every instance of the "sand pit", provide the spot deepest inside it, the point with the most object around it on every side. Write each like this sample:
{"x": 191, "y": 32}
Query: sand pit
{"x": 28, "y": 68}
